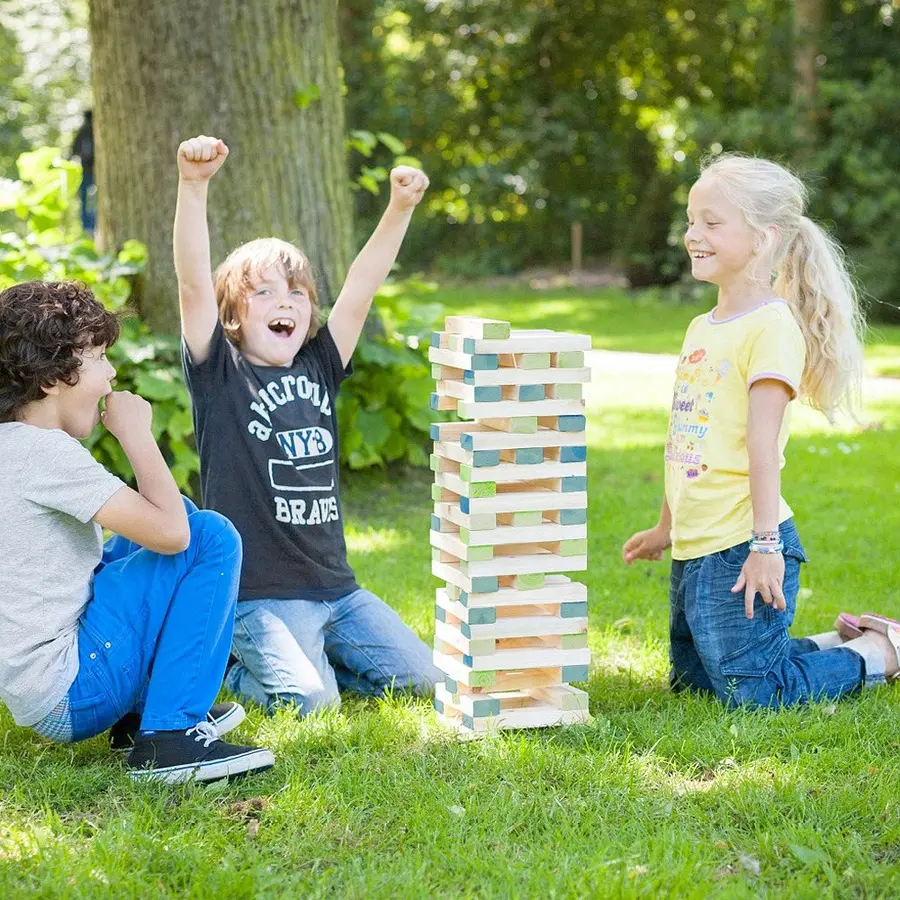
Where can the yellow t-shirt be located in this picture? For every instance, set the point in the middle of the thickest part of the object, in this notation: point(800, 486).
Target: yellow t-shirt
point(707, 465)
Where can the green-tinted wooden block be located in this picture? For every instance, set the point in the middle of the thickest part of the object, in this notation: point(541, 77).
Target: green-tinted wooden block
point(533, 361)
point(479, 554)
point(440, 613)
point(484, 362)
point(575, 701)
point(482, 679)
point(433, 462)
point(481, 458)
point(451, 684)
point(573, 610)
point(495, 331)
point(457, 343)
point(436, 371)
point(481, 489)
point(523, 425)
point(570, 359)
point(488, 393)
point(573, 548)
point(487, 706)
point(574, 483)
point(527, 518)
point(567, 392)
point(436, 493)
point(482, 647)
point(574, 673)
point(573, 517)
point(530, 582)
point(571, 423)
point(529, 456)
point(573, 641)
point(464, 535)
point(529, 392)
point(439, 705)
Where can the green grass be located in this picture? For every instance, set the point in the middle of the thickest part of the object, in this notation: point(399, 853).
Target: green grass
point(660, 796)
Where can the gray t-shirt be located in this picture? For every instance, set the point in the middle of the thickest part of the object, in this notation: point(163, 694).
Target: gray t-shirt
point(50, 490)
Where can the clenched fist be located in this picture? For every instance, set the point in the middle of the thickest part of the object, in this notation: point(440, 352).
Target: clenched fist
point(407, 187)
point(126, 415)
point(200, 158)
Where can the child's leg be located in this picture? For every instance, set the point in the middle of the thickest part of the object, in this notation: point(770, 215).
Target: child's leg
point(373, 650)
point(281, 655)
point(155, 635)
point(753, 661)
point(687, 670)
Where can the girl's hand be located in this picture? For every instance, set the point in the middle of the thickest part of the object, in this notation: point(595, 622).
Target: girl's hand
point(763, 574)
point(649, 544)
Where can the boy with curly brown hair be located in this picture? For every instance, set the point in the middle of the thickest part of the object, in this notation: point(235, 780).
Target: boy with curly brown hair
point(90, 634)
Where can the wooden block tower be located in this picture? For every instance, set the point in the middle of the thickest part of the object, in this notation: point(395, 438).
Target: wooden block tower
point(510, 516)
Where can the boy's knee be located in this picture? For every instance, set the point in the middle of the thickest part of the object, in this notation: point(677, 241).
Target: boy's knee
point(210, 527)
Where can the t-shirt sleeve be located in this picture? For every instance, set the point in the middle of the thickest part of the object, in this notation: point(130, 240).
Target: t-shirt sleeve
point(324, 351)
point(778, 352)
point(200, 377)
point(61, 474)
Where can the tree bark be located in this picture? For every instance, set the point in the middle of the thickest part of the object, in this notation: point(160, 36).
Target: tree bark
point(809, 18)
point(261, 74)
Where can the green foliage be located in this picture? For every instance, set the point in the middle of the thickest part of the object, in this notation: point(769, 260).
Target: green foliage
point(44, 245)
point(384, 410)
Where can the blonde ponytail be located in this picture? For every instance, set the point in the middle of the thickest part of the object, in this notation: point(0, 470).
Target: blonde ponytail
point(813, 278)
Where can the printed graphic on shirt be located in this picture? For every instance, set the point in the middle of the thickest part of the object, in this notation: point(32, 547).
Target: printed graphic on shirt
point(301, 460)
point(692, 404)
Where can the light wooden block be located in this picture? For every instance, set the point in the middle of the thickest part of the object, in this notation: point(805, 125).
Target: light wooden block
point(464, 361)
point(479, 329)
point(526, 361)
point(506, 375)
point(533, 340)
point(533, 534)
point(511, 409)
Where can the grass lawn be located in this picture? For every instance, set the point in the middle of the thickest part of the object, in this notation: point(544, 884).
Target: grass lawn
point(660, 796)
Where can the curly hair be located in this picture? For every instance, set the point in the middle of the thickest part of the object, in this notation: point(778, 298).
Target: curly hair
point(43, 325)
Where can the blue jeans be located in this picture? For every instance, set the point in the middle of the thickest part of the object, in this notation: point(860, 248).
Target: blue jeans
point(749, 662)
point(154, 638)
point(305, 651)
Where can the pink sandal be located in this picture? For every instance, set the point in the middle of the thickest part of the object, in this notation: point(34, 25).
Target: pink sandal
point(890, 628)
point(847, 626)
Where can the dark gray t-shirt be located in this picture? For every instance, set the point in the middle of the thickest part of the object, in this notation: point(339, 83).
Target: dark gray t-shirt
point(50, 490)
point(268, 443)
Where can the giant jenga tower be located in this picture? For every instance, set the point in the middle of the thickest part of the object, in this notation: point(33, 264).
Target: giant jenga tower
point(510, 515)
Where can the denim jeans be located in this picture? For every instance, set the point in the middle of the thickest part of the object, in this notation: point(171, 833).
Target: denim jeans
point(752, 662)
point(154, 638)
point(305, 651)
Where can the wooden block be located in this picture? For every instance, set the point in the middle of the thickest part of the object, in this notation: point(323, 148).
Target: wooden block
point(525, 519)
point(443, 525)
point(470, 585)
point(491, 393)
point(452, 513)
point(460, 665)
point(573, 483)
point(557, 589)
point(511, 409)
point(533, 534)
point(564, 454)
point(467, 362)
point(564, 423)
point(510, 473)
point(507, 681)
point(515, 501)
point(477, 458)
point(572, 641)
point(567, 516)
point(534, 564)
point(530, 341)
point(522, 456)
point(442, 402)
point(480, 329)
point(467, 489)
point(526, 393)
point(508, 375)
point(450, 543)
point(568, 359)
point(526, 361)
point(447, 373)
point(564, 391)
point(479, 436)
point(512, 425)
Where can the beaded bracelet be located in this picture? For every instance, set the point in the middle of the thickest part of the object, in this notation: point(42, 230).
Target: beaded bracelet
point(766, 547)
point(766, 542)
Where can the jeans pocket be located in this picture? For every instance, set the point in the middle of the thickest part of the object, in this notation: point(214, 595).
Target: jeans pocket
point(734, 557)
point(756, 658)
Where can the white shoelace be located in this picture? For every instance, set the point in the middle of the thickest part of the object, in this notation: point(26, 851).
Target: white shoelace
point(204, 732)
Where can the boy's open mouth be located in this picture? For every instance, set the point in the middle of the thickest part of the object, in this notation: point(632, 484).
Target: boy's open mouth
point(282, 327)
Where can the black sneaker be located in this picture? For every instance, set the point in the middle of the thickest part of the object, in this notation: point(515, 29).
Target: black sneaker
point(197, 754)
point(224, 716)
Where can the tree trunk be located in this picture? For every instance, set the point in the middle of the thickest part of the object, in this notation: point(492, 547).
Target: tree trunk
point(809, 17)
point(261, 74)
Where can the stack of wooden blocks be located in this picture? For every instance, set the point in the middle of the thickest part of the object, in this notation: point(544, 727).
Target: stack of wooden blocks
point(510, 516)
